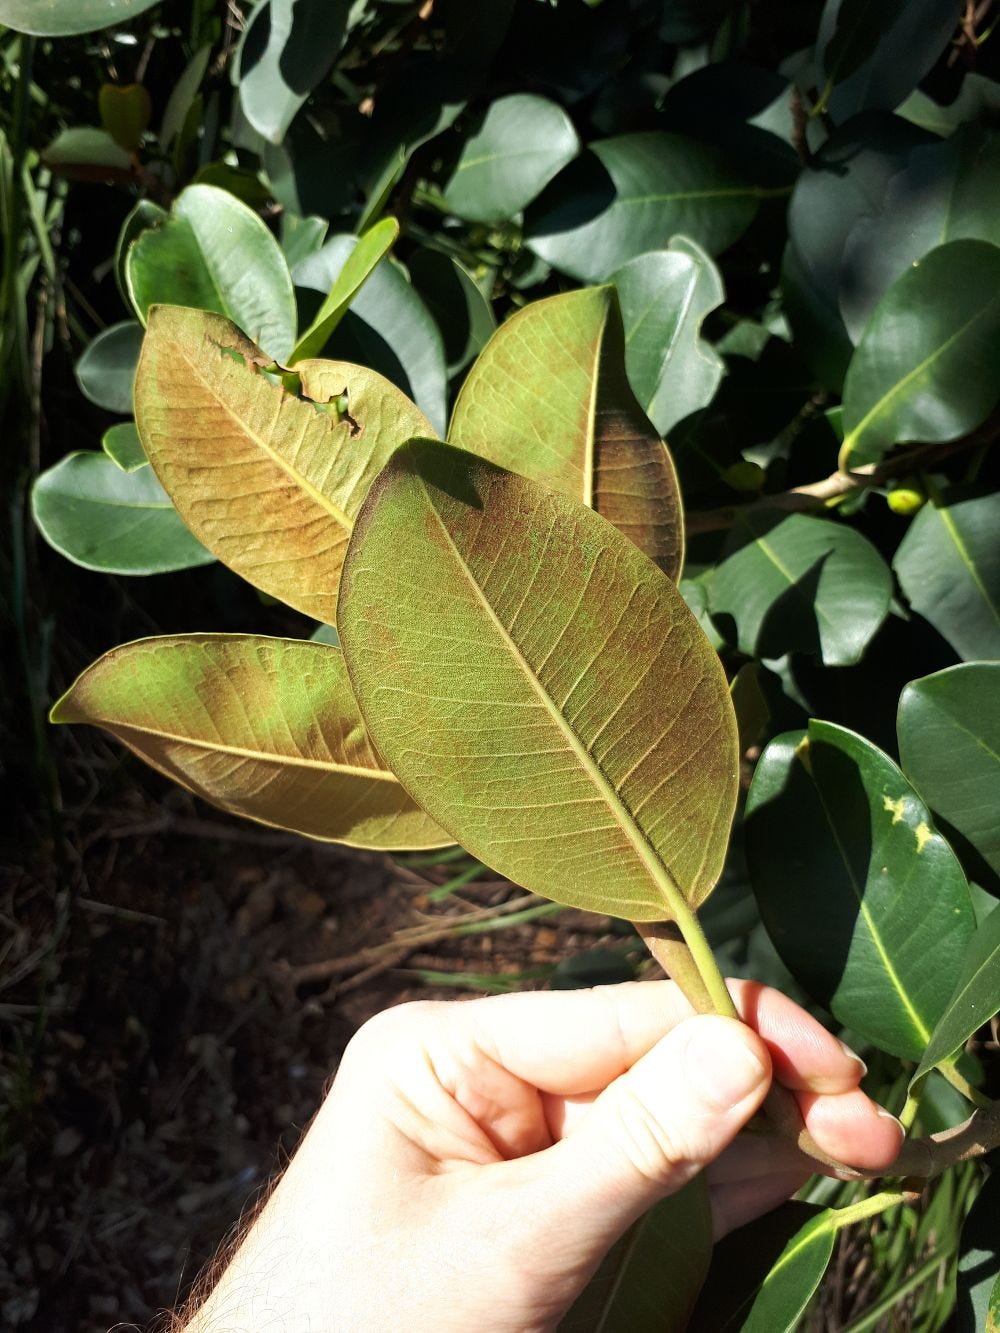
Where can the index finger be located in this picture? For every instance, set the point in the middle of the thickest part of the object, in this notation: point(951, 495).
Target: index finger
point(574, 1042)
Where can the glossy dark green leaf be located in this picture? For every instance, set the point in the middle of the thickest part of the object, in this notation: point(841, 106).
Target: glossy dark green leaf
point(387, 327)
point(287, 48)
point(942, 193)
point(858, 27)
point(979, 1260)
point(539, 686)
point(791, 582)
point(665, 295)
point(923, 369)
point(214, 253)
point(855, 886)
point(520, 145)
point(626, 195)
point(845, 181)
point(301, 237)
point(105, 519)
point(743, 110)
point(182, 95)
point(122, 445)
point(63, 18)
point(549, 398)
point(649, 1281)
point(948, 565)
point(740, 1263)
point(414, 106)
point(325, 634)
point(949, 746)
point(750, 703)
point(265, 728)
point(461, 311)
point(789, 1286)
point(85, 147)
point(978, 98)
point(145, 214)
point(106, 370)
point(818, 328)
point(975, 1000)
point(311, 172)
point(910, 38)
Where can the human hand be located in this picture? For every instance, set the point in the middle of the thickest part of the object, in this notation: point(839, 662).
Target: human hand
point(474, 1161)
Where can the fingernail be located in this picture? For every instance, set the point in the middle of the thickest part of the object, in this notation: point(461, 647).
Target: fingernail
point(853, 1055)
point(722, 1067)
point(887, 1115)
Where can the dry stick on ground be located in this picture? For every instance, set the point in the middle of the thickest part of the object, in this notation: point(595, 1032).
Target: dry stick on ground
point(381, 957)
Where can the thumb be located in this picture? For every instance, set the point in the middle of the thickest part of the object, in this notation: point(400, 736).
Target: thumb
point(652, 1129)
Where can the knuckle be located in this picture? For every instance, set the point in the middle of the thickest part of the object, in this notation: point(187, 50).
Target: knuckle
point(658, 1152)
point(395, 1026)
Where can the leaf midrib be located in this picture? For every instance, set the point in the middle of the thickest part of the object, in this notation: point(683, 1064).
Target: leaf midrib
point(670, 892)
point(732, 191)
point(890, 971)
point(103, 502)
point(930, 1058)
point(303, 482)
point(256, 756)
point(590, 443)
point(471, 162)
point(607, 1306)
point(958, 541)
point(792, 582)
point(851, 442)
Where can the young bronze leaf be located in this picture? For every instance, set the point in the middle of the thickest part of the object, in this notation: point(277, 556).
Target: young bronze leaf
point(539, 686)
point(267, 482)
point(264, 728)
point(549, 398)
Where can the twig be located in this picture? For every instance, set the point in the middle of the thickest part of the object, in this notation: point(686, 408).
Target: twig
point(123, 913)
point(820, 494)
point(800, 121)
point(402, 943)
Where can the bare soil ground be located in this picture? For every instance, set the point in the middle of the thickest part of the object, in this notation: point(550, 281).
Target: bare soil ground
point(176, 989)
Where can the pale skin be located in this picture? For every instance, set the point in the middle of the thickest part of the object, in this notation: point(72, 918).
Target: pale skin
point(475, 1160)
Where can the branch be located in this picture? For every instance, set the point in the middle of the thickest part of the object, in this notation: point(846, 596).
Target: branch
point(820, 494)
point(924, 1159)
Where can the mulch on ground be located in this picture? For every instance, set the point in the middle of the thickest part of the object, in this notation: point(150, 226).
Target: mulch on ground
point(176, 990)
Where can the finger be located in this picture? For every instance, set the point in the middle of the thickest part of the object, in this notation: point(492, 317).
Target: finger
point(851, 1128)
point(804, 1054)
point(572, 1042)
point(653, 1129)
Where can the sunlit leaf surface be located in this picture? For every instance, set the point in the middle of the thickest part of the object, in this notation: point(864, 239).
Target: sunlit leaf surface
point(549, 398)
point(539, 686)
point(265, 728)
point(267, 481)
